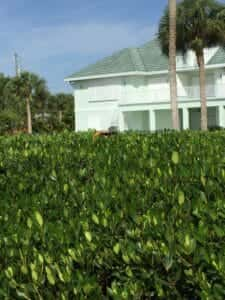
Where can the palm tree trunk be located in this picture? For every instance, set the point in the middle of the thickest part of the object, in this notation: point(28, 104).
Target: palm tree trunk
point(60, 116)
point(29, 120)
point(202, 83)
point(172, 63)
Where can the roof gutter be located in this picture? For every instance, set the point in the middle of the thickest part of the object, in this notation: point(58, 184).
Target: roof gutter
point(137, 73)
point(140, 73)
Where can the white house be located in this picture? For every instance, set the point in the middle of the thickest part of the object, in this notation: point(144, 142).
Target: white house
point(130, 90)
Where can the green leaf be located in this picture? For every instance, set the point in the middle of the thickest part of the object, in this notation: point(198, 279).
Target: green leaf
point(203, 180)
point(24, 269)
point(9, 272)
point(188, 272)
point(29, 223)
point(116, 248)
point(88, 236)
point(66, 188)
point(60, 274)
point(22, 295)
point(34, 275)
point(95, 219)
point(50, 276)
point(104, 222)
point(175, 157)
point(181, 197)
point(187, 240)
point(40, 258)
point(219, 231)
point(189, 244)
point(21, 187)
point(39, 218)
point(88, 287)
point(126, 258)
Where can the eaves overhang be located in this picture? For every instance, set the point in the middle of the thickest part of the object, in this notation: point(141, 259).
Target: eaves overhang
point(140, 73)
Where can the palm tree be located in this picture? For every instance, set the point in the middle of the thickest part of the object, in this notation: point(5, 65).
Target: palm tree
point(40, 96)
point(199, 26)
point(29, 87)
point(61, 104)
point(172, 63)
point(23, 89)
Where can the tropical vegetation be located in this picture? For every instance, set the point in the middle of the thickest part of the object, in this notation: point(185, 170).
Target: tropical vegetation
point(200, 25)
point(133, 216)
point(26, 104)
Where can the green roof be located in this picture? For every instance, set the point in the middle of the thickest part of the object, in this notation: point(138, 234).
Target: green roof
point(218, 58)
point(148, 58)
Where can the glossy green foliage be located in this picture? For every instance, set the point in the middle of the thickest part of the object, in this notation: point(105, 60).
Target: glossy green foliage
point(133, 216)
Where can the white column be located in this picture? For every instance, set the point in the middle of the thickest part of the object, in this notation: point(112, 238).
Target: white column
point(221, 116)
point(152, 120)
point(186, 124)
point(121, 121)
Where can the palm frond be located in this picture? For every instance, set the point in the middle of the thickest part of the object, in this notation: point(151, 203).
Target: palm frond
point(200, 24)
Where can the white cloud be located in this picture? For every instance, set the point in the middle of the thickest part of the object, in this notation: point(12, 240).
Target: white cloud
point(37, 45)
point(84, 39)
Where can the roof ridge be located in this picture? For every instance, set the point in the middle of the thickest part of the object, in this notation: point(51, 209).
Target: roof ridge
point(141, 58)
point(136, 59)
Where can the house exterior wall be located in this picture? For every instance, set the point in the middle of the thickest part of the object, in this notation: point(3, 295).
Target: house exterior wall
point(143, 101)
point(97, 104)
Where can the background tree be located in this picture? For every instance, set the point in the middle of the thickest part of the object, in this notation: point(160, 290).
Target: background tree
point(12, 109)
point(61, 105)
point(48, 112)
point(199, 26)
point(40, 97)
point(3, 82)
point(23, 86)
point(172, 64)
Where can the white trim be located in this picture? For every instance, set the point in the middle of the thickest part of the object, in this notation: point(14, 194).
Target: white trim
point(103, 101)
point(221, 116)
point(195, 68)
point(114, 108)
point(186, 122)
point(121, 121)
point(162, 102)
point(139, 73)
point(152, 120)
point(136, 73)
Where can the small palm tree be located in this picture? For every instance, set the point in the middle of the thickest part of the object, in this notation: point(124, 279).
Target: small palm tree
point(40, 96)
point(199, 26)
point(28, 87)
point(23, 89)
point(172, 63)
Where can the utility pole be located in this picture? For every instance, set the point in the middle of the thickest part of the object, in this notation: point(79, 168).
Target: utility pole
point(17, 64)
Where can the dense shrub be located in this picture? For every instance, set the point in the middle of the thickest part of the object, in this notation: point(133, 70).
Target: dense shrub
point(127, 217)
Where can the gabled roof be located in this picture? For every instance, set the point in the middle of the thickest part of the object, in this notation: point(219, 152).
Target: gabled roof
point(148, 58)
point(218, 58)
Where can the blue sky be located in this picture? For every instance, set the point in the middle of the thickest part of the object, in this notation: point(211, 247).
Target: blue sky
point(55, 38)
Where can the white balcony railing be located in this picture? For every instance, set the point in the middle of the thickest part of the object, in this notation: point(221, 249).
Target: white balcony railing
point(163, 94)
point(194, 91)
